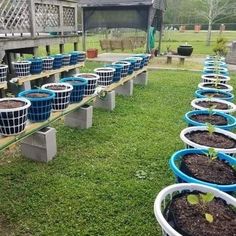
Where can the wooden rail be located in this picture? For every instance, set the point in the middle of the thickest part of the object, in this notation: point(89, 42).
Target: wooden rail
point(31, 128)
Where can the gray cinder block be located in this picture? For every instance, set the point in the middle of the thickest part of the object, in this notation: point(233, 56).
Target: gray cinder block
point(40, 146)
point(81, 118)
point(126, 89)
point(141, 79)
point(71, 73)
point(107, 103)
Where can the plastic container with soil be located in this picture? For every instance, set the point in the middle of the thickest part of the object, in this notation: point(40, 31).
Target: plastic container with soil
point(47, 63)
point(3, 73)
point(82, 56)
point(22, 68)
point(222, 207)
point(79, 85)
point(215, 70)
point(213, 103)
point(74, 59)
point(66, 59)
point(209, 93)
point(36, 66)
point(218, 119)
point(216, 86)
point(62, 95)
point(199, 137)
point(13, 115)
point(215, 63)
point(57, 63)
point(125, 68)
point(132, 65)
point(41, 104)
point(92, 53)
point(196, 166)
point(145, 57)
point(105, 75)
point(137, 60)
point(215, 78)
point(117, 73)
point(215, 58)
point(92, 80)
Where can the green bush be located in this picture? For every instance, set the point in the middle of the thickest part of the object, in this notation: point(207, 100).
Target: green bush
point(220, 48)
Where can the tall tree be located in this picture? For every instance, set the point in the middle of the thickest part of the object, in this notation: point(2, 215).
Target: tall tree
point(215, 11)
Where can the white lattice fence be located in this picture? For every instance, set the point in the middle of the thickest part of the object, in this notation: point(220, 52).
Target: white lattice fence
point(23, 16)
point(14, 16)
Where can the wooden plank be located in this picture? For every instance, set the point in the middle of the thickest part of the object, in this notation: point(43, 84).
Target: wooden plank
point(3, 85)
point(31, 128)
point(22, 80)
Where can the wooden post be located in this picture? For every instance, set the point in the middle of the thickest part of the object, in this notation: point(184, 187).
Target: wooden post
point(61, 18)
point(83, 32)
point(48, 50)
point(62, 48)
point(75, 46)
point(32, 18)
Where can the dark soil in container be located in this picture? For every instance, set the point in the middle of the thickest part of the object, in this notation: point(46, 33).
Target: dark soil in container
point(214, 77)
point(212, 119)
point(201, 167)
point(215, 140)
point(57, 87)
point(209, 104)
point(11, 104)
point(74, 82)
point(189, 219)
point(215, 95)
point(37, 95)
point(218, 86)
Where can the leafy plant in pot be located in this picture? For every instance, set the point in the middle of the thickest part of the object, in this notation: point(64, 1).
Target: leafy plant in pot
point(79, 85)
point(62, 95)
point(206, 167)
point(22, 67)
point(13, 115)
point(218, 119)
point(207, 103)
point(209, 212)
point(41, 104)
point(203, 137)
point(215, 86)
point(215, 78)
point(210, 93)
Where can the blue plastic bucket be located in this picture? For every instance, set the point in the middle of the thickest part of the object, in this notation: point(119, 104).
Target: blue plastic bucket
point(57, 63)
point(231, 119)
point(117, 74)
point(201, 94)
point(36, 65)
point(40, 109)
point(184, 178)
point(78, 84)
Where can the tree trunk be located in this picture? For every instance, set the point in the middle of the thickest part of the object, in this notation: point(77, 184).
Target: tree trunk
point(208, 41)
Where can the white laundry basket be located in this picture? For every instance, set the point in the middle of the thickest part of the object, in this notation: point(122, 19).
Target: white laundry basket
point(3, 73)
point(166, 195)
point(105, 75)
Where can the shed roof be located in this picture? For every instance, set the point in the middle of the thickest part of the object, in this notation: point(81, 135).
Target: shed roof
point(97, 3)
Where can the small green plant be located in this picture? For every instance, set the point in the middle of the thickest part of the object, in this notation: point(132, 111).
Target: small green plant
point(212, 154)
point(201, 200)
point(220, 48)
point(211, 110)
point(210, 128)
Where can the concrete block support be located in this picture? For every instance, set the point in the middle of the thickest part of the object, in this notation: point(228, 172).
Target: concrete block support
point(40, 146)
point(26, 85)
point(53, 78)
point(126, 89)
point(81, 118)
point(142, 79)
point(107, 103)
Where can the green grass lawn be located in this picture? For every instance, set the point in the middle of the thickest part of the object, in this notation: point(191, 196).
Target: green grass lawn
point(104, 180)
point(170, 38)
